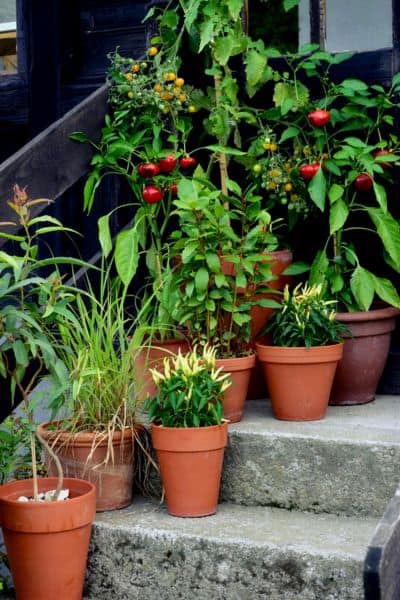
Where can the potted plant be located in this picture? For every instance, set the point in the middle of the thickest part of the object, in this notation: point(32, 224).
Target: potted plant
point(98, 394)
point(188, 431)
point(300, 362)
point(340, 151)
point(47, 540)
point(219, 266)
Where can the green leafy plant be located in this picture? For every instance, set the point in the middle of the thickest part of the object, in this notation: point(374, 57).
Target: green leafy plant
point(305, 318)
point(30, 305)
point(335, 156)
point(219, 263)
point(190, 391)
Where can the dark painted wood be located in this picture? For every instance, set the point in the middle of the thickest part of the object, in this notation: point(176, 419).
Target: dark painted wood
point(315, 22)
point(51, 163)
point(381, 566)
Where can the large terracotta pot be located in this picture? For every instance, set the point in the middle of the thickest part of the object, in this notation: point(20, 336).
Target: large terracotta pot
point(279, 261)
point(47, 542)
point(240, 370)
point(84, 455)
point(151, 357)
point(364, 355)
point(190, 462)
point(299, 379)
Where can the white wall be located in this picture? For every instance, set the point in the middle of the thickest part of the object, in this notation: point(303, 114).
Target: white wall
point(352, 24)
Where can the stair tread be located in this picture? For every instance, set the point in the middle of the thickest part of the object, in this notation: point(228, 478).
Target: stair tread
point(377, 422)
point(306, 533)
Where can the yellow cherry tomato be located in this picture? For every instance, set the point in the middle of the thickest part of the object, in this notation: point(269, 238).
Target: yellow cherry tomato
point(158, 88)
point(266, 145)
point(153, 51)
point(130, 94)
point(192, 109)
point(257, 168)
point(273, 147)
point(288, 187)
point(179, 81)
point(182, 98)
point(128, 76)
point(136, 68)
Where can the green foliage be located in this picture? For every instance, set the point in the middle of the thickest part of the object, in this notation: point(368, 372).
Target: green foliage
point(15, 457)
point(305, 319)
point(190, 391)
point(219, 248)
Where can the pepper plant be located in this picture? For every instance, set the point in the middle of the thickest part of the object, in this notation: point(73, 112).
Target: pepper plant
point(341, 151)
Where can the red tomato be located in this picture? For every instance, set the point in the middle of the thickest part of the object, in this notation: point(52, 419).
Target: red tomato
point(308, 171)
point(167, 164)
point(148, 170)
point(152, 194)
point(363, 182)
point(187, 162)
point(319, 118)
point(384, 165)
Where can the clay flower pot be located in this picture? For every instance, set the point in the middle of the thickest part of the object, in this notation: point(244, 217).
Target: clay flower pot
point(190, 460)
point(240, 370)
point(152, 357)
point(299, 379)
point(364, 355)
point(47, 542)
point(82, 455)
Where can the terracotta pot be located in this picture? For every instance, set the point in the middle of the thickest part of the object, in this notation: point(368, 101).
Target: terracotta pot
point(47, 542)
point(278, 261)
point(299, 379)
point(364, 355)
point(113, 480)
point(190, 462)
point(240, 370)
point(151, 357)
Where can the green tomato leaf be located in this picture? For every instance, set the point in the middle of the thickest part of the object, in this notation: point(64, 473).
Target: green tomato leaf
point(289, 132)
point(289, 4)
point(338, 214)
point(206, 34)
point(317, 189)
point(255, 67)
point(223, 49)
point(362, 286)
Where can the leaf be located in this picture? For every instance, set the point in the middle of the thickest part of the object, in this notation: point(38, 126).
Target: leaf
point(289, 4)
point(233, 186)
point(213, 262)
point(126, 255)
point(317, 189)
point(201, 280)
point(386, 291)
point(318, 268)
point(362, 286)
point(105, 240)
point(91, 185)
point(338, 214)
point(223, 49)
point(388, 230)
point(20, 353)
point(225, 150)
point(354, 84)
point(355, 142)
point(290, 132)
point(206, 34)
point(79, 136)
point(45, 219)
point(296, 268)
point(380, 195)
point(255, 66)
point(332, 167)
point(335, 192)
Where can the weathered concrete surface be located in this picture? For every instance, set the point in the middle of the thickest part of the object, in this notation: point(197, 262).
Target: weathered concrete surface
point(347, 463)
point(241, 553)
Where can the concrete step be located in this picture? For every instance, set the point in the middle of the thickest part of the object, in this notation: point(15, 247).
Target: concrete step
point(241, 553)
point(347, 463)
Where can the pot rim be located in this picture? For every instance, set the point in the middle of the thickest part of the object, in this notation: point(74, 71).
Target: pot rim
point(374, 314)
point(86, 437)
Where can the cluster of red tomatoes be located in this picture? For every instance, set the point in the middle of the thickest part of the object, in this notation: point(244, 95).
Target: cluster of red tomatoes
point(152, 194)
point(363, 182)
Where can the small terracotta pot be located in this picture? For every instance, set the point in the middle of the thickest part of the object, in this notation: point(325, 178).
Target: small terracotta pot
point(151, 357)
point(47, 542)
point(113, 480)
point(364, 355)
point(299, 379)
point(190, 462)
point(240, 370)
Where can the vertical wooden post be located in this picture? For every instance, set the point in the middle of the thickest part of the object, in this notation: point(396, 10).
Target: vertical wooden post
point(318, 22)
